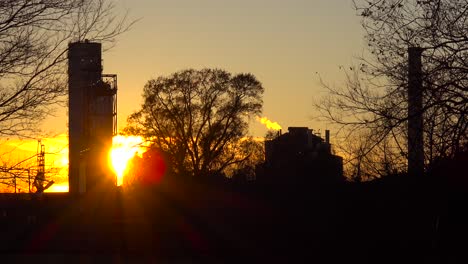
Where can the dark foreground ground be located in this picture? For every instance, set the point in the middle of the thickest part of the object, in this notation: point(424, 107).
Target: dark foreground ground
point(391, 221)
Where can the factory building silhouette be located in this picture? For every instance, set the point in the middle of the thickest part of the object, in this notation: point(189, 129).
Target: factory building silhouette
point(184, 219)
point(300, 156)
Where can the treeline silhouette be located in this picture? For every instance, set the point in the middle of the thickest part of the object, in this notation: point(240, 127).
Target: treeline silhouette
point(217, 219)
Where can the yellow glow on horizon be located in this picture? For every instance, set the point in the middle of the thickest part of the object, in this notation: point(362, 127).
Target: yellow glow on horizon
point(64, 161)
point(14, 151)
point(61, 187)
point(123, 149)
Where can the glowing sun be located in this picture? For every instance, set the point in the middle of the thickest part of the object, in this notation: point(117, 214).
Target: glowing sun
point(123, 149)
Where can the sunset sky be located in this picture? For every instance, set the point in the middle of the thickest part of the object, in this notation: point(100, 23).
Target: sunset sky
point(287, 45)
point(283, 43)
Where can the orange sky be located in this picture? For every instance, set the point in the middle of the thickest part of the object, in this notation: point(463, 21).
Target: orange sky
point(283, 43)
point(56, 158)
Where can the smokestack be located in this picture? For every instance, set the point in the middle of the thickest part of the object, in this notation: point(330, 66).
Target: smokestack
point(415, 117)
point(327, 136)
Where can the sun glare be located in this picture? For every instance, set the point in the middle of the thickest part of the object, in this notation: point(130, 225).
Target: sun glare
point(123, 149)
point(61, 187)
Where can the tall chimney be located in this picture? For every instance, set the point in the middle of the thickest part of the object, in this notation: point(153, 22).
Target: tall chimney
point(327, 136)
point(415, 117)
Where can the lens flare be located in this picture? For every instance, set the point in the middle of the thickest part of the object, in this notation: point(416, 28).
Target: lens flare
point(123, 149)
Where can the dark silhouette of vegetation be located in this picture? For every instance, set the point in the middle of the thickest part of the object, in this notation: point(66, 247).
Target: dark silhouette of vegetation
point(189, 220)
point(198, 119)
point(373, 102)
point(392, 219)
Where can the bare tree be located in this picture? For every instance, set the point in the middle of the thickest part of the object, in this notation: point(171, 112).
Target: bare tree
point(198, 118)
point(34, 35)
point(374, 97)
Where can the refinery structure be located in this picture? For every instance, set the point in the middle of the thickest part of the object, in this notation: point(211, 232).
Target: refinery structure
point(300, 156)
point(92, 118)
point(92, 123)
point(91, 199)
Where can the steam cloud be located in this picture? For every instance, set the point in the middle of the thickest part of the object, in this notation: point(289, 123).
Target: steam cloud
point(269, 124)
